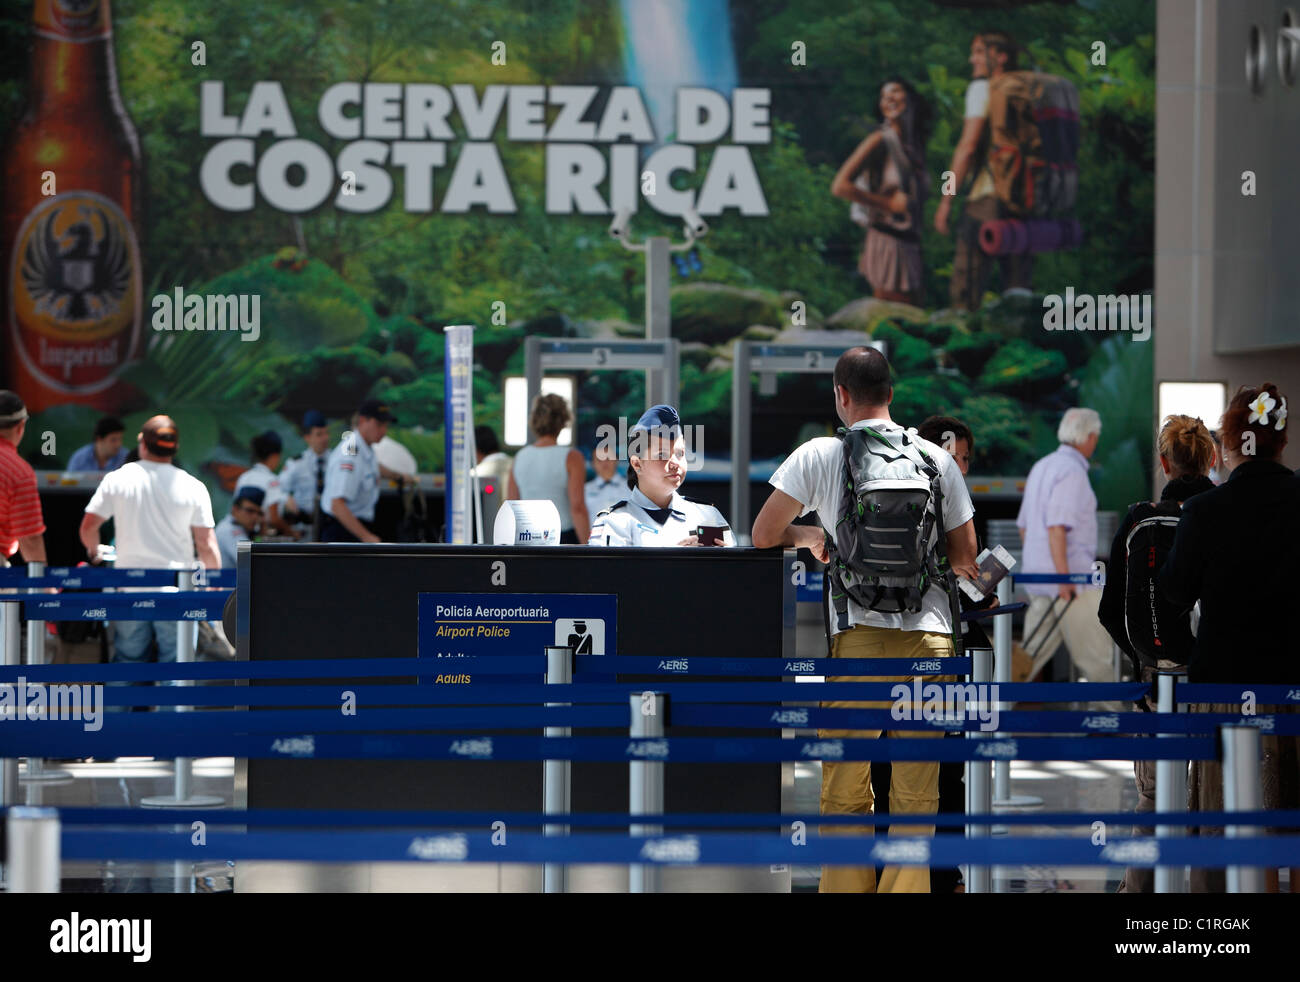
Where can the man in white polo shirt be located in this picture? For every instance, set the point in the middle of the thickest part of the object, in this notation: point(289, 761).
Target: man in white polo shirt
point(162, 517)
point(811, 480)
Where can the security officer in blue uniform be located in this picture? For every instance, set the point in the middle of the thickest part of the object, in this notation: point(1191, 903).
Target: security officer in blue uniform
point(352, 478)
point(606, 488)
point(303, 478)
point(654, 513)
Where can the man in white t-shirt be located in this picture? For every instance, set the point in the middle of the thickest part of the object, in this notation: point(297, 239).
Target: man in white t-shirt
point(810, 481)
point(162, 517)
point(992, 54)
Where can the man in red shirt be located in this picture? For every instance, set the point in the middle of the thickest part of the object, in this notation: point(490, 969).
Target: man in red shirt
point(21, 524)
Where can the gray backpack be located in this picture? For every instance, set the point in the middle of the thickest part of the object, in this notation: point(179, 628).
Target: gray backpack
point(888, 546)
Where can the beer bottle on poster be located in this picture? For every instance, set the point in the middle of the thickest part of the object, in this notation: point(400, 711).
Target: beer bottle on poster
point(72, 211)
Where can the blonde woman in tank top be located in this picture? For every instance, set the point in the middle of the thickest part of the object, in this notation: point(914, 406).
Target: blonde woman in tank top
point(546, 470)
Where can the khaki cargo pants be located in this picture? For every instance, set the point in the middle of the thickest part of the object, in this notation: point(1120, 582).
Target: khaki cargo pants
point(914, 786)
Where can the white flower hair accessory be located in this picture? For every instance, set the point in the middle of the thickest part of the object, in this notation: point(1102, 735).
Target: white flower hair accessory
point(1261, 407)
point(1281, 415)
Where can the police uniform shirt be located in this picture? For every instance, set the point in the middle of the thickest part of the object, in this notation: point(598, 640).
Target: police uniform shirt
point(229, 534)
point(600, 493)
point(353, 475)
point(638, 521)
point(265, 480)
point(298, 480)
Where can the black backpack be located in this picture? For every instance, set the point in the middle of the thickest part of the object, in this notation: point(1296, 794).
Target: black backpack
point(888, 546)
point(1156, 628)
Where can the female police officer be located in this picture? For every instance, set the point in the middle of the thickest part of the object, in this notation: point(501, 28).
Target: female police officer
point(654, 514)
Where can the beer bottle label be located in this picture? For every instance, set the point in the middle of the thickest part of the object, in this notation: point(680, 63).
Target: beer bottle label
point(72, 20)
point(75, 292)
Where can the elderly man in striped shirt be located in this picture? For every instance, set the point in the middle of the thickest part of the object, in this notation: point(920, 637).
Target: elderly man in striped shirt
point(21, 524)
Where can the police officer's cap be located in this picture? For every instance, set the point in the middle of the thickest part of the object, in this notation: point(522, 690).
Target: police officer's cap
point(253, 495)
point(265, 444)
point(659, 418)
point(377, 409)
point(313, 418)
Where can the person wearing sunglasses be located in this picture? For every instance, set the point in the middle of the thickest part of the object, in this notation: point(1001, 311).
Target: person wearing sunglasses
point(243, 522)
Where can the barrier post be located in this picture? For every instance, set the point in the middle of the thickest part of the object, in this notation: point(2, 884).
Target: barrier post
point(557, 774)
point(1242, 792)
point(646, 783)
point(10, 611)
point(37, 772)
point(1171, 784)
point(183, 795)
point(1002, 673)
point(979, 785)
point(32, 839)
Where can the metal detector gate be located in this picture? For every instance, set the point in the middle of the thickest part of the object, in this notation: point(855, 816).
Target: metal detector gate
point(598, 355)
point(768, 360)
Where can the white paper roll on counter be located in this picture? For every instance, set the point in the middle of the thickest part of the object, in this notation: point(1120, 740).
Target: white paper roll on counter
point(527, 523)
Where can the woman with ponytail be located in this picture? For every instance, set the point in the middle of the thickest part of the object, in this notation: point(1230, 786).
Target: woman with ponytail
point(1187, 453)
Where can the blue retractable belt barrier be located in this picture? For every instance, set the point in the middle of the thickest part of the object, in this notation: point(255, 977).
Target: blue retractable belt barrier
point(986, 612)
point(39, 739)
point(483, 664)
point(353, 818)
point(88, 577)
point(650, 665)
point(310, 669)
point(683, 849)
point(1079, 578)
point(163, 725)
point(1009, 721)
point(1192, 692)
point(370, 719)
point(204, 605)
point(102, 577)
point(585, 692)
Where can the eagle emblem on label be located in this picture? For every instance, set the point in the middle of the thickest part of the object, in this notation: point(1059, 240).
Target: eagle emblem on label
point(75, 298)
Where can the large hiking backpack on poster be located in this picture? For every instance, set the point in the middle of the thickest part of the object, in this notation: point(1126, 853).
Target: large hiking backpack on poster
point(1156, 628)
point(887, 546)
point(1034, 143)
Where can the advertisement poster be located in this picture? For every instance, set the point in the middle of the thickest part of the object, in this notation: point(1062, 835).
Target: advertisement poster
point(287, 203)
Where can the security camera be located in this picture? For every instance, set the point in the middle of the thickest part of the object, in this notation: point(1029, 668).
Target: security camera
point(695, 225)
point(618, 227)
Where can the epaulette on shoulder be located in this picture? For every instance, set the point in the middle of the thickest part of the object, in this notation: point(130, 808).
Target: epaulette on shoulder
point(699, 501)
point(614, 507)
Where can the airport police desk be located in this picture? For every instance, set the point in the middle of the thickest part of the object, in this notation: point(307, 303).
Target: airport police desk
point(437, 604)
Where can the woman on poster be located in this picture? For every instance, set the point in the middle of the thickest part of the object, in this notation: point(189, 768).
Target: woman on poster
point(886, 180)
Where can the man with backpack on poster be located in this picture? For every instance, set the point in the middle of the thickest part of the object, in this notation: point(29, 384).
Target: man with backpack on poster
point(1019, 140)
point(1150, 629)
point(894, 542)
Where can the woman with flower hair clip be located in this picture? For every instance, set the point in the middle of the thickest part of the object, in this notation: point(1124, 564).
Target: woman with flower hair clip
point(1232, 553)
